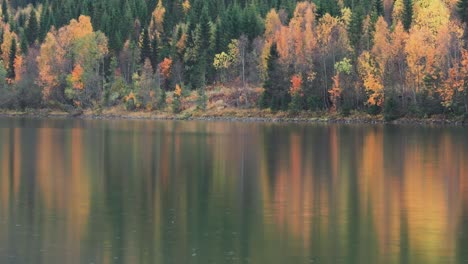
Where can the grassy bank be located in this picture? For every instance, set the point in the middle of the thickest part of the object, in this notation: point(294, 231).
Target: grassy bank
point(232, 114)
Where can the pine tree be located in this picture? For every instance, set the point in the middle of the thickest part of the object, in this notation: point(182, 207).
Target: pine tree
point(44, 22)
point(276, 94)
point(355, 27)
point(11, 64)
point(462, 7)
point(5, 11)
point(206, 54)
point(407, 14)
point(195, 67)
point(33, 29)
point(24, 43)
point(154, 58)
point(145, 46)
point(379, 7)
point(252, 25)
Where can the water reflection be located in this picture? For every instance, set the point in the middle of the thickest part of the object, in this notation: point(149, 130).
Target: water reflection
point(75, 191)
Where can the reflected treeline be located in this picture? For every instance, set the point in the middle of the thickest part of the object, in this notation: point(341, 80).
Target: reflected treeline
point(76, 191)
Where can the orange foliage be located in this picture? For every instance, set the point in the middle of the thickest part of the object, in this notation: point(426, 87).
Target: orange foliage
point(372, 79)
point(296, 85)
point(130, 96)
point(181, 43)
point(282, 42)
point(272, 24)
point(382, 45)
point(165, 67)
point(457, 80)
point(335, 92)
point(75, 40)
point(47, 64)
point(178, 91)
point(420, 51)
point(76, 77)
point(18, 67)
point(398, 41)
point(8, 37)
point(301, 29)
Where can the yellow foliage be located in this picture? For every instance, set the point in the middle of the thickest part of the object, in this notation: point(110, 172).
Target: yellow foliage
point(186, 6)
point(157, 20)
point(346, 16)
point(130, 96)
point(382, 45)
point(222, 61)
point(430, 14)
point(457, 80)
point(76, 40)
point(398, 9)
point(372, 79)
point(272, 24)
point(178, 91)
point(8, 37)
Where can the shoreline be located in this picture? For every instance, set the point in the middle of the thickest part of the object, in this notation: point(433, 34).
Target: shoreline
point(234, 115)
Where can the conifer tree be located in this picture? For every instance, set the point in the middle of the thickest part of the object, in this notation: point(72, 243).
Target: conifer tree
point(11, 63)
point(45, 22)
point(379, 7)
point(407, 14)
point(154, 53)
point(355, 27)
point(145, 46)
point(5, 11)
point(32, 29)
point(462, 7)
point(275, 94)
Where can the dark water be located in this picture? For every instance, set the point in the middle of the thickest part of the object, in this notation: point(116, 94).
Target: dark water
point(74, 191)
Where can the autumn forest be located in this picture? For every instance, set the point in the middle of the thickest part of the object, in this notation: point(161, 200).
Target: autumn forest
point(392, 58)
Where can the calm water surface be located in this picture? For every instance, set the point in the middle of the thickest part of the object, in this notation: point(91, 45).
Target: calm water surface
point(77, 191)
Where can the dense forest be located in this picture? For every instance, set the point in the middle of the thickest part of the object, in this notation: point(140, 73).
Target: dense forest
point(391, 57)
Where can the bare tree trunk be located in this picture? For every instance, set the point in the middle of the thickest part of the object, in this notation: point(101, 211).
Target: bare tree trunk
point(325, 83)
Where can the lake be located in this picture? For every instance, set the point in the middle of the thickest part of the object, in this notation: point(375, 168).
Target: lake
point(94, 191)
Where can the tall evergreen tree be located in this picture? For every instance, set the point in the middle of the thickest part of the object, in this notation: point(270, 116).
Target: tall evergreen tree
point(24, 43)
point(44, 22)
point(379, 7)
point(5, 11)
point(154, 58)
point(355, 27)
point(462, 8)
point(195, 67)
point(252, 25)
point(145, 46)
point(276, 94)
point(11, 64)
point(32, 30)
point(407, 14)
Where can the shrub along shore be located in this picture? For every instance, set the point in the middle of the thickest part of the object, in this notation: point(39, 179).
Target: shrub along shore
point(236, 115)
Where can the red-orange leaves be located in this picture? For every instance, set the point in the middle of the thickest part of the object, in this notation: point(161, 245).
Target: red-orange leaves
point(165, 67)
point(296, 85)
point(76, 77)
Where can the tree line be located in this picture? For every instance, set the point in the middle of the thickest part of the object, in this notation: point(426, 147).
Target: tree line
point(395, 57)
